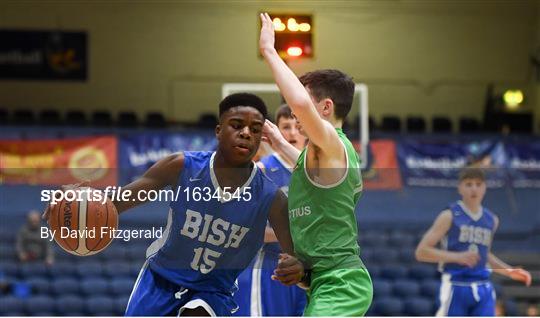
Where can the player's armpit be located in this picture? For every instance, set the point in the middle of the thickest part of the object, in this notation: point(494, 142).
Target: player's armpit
point(279, 219)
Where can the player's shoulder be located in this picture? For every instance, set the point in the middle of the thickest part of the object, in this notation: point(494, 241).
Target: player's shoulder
point(198, 155)
point(490, 214)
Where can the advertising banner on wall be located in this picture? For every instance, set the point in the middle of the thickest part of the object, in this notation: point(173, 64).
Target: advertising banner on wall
point(138, 152)
point(59, 161)
point(524, 164)
point(43, 55)
point(438, 164)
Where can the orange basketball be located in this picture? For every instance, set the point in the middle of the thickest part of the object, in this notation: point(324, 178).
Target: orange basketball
point(81, 226)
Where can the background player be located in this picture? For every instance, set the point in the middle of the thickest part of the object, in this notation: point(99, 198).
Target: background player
point(465, 230)
point(325, 186)
point(259, 294)
point(191, 270)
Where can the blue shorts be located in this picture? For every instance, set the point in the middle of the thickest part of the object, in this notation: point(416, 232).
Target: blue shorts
point(153, 295)
point(466, 299)
point(259, 295)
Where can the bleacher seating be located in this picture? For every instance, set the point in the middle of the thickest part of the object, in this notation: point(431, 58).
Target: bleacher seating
point(401, 285)
point(391, 124)
point(415, 124)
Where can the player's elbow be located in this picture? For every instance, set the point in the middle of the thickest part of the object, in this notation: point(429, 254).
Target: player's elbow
point(420, 253)
point(299, 103)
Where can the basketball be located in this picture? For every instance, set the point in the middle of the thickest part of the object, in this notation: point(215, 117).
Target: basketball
point(83, 227)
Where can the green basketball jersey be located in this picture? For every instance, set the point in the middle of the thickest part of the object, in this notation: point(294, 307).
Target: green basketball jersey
point(322, 218)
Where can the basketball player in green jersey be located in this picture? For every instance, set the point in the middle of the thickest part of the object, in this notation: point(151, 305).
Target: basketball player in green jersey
point(325, 186)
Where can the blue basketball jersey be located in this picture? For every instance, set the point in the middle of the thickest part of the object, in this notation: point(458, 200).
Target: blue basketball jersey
point(277, 170)
point(469, 232)
point(208, 242)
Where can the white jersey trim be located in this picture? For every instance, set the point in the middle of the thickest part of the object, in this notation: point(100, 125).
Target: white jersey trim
point(445, 296)
point(318, 185)
point(256, 300)
point(217, 187)
point(160, 242)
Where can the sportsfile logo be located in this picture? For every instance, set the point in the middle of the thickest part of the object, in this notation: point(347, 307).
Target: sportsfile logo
point(194, 194)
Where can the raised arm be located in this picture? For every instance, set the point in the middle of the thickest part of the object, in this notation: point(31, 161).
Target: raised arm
point(279, 144)
point(427, 252)
point(320, 132)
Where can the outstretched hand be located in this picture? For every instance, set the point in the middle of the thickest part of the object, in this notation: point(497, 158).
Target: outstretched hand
point(289, 270)
point(520, 275)
point(267, 37)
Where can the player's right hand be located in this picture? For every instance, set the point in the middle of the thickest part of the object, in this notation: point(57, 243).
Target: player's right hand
point(47, 211)
point(267, 37)
point(468, 258)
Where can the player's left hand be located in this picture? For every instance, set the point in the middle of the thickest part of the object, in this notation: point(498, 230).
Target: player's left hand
point(521, 275)
point(289, 270)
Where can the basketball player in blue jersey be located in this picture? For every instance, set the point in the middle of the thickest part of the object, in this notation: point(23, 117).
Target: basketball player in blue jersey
point(211, 236)
point(465, 230)
point(258, 294)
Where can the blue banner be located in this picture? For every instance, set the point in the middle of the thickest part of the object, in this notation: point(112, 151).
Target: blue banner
point(524, 164)
point(438, 164)
point(138, 152)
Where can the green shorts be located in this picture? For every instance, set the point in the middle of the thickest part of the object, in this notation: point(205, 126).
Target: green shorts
point(340, 292)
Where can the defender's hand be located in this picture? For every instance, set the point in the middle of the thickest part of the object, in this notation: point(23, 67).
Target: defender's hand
point(267, 37)
point(271, 133)
point(289, 270)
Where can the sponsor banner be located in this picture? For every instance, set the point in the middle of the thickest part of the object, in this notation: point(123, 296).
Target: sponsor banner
point(43, 55)
point(59, 161)
point(382, 171)
point(438, 164)
point(138, 152)
point(524, 164)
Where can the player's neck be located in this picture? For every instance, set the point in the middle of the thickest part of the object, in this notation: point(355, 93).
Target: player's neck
point(337, 123)
point(473, 207)
point(228, 175)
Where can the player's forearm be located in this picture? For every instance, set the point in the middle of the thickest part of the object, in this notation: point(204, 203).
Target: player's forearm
point(287, 151)
point(290, 87)
point(498, 266)
point(434, 255)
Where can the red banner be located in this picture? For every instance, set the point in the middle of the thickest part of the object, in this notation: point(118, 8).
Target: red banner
point(59, 161)
point(382, 172)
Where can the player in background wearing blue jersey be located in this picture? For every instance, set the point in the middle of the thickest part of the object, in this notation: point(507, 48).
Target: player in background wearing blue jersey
point(210, 238)
point(258, 294)
point(465, 230)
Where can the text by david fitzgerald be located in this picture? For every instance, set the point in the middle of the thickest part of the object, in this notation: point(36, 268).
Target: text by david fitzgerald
point(108, 232)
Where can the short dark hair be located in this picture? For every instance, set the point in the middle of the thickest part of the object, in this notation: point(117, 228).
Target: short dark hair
point(472, 173)
point(243, 99)
point(333, 84)
point(283, 111)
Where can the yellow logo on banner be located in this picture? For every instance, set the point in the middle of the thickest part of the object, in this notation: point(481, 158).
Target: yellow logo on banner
point(88, 163)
